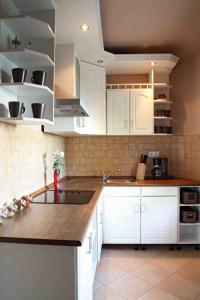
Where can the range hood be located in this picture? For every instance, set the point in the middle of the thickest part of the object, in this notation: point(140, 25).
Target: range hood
point(66, 105)
point(68, 102)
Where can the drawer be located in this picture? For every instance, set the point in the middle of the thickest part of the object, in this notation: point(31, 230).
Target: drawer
point(160, 191)
point(121, 191)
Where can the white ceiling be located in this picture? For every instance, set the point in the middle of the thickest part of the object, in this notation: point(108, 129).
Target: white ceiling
point(71, 14)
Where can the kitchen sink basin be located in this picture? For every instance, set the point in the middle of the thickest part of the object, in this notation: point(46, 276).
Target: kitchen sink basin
point(120, 180)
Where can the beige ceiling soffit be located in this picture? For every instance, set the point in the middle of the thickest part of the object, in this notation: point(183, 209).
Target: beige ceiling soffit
point(98, 14)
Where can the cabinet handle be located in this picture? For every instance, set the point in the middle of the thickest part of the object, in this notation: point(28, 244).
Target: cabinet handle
point(143, 208)
point(101, 218)
point(82, 122)
point(131, 123)
point(125, 124)
point(136, 211)
point(89, 243)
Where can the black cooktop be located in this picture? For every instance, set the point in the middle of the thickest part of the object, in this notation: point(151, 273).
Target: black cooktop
point(76, 197)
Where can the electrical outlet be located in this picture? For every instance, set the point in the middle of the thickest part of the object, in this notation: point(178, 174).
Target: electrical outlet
point(153, 154)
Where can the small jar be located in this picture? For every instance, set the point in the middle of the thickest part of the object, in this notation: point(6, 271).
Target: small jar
point(4, 212)
point(16, 205)
point(26, 201)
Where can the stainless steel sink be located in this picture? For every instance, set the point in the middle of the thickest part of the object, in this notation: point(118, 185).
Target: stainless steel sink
point(120, 180)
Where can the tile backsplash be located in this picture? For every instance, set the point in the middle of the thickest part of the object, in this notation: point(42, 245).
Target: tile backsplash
point(24, 153)
point(90, 155)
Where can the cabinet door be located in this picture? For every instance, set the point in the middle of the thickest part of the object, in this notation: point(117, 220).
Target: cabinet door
point(122, 220)
point(93, 95)
point(141, 112)
point(159, 220)
point(118, 112)
point(85, 262)
point(100, 225)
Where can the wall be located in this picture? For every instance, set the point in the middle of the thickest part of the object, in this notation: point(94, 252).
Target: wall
point(185, 80)
point(127, 78)
point(90, 155)
point(23, 155)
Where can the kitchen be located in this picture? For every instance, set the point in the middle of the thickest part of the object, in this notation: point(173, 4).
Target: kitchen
point(81, 94)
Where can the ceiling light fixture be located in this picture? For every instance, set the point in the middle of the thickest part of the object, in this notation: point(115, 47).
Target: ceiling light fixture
point(100, 61)
point(152, 63)
point(84, 27)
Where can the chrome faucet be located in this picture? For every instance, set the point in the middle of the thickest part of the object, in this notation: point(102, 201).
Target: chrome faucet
point(107, 176)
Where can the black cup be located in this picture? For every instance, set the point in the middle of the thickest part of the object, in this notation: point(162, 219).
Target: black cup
point(19, 75)
point(38, 110)
point(38, 77)
point(16, 109)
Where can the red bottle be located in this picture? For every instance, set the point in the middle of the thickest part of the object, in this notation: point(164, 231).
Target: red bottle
point(56, 179)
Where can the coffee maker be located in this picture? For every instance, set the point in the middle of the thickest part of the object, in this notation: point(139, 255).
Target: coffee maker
point(160, 168)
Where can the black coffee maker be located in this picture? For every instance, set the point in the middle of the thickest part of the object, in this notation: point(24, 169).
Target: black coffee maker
point(160, 168)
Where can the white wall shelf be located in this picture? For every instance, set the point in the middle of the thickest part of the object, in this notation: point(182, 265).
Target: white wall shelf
point(189, 224)
point(27, 57)
point(187, 238)
point(162, 118)
point(162, 101)
point(162, 86)
point(190, 205)
point(26, 89)
point(28, 28)
point(162, 134)
point(26, 121)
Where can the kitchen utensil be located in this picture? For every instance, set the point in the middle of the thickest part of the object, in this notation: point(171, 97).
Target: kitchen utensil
point(16, 109)
point(19, 74)
point(141, 171)
point(38, 77)
point(38, 110)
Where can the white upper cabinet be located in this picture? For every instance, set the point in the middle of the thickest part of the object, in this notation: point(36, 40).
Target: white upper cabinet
point(130, 112)
point(118, 112)
point(93, 95)
point(141, 112)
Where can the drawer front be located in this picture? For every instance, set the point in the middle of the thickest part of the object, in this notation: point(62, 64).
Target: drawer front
point(160, 191)
point(121, 191)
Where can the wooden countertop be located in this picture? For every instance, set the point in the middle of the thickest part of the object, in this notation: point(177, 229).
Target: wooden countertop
point(66, 224)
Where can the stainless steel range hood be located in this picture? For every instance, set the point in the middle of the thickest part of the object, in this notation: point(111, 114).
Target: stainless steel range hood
point(67, 106)
point(67, 83)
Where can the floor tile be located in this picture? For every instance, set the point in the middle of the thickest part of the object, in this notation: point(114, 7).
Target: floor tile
point(180, 287)
point(104, 293)
point(152, 274)
point(96, 285)
point(106, 273)
point(171, 264)
point(191, 272)
point(158, 294)
point(129, 286)
point(127, 264)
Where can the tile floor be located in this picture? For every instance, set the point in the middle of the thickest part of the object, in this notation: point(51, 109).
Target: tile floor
point(154, 274)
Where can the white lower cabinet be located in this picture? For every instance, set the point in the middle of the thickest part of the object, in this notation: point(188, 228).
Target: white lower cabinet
point(121, 216)
point(130, 218)
point(159, 220)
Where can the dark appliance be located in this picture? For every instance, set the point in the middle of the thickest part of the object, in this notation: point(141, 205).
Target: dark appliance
point(189, 196)
point(73, 197)
point(189, 215)
point(160, 168)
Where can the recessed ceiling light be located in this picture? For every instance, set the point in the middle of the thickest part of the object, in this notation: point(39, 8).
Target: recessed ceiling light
point(100, 61)
point(84, 27)
point(152, 63)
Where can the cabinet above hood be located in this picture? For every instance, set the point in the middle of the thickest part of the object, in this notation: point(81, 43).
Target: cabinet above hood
point(67, 83)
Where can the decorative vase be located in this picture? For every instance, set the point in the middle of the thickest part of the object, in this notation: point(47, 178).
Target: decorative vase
point(56, 179)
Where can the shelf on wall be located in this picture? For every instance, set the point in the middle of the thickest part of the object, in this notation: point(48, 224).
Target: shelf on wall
point(190, 224)
point(162, 118)
point(188, 238)
point(27, 57)
point(26, 89)
point(162, 86)
point(162, 101)
point(26, 121)
point(28, 28)
point(163, 134)
point(190, 204)
point(25, 5)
